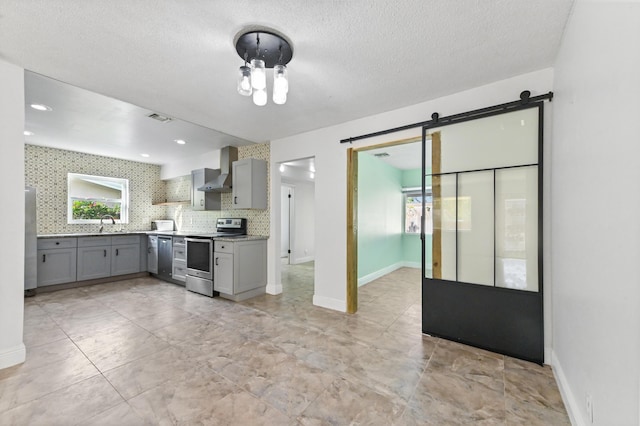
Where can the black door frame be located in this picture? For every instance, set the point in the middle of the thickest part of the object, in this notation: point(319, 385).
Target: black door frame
point(506, 321)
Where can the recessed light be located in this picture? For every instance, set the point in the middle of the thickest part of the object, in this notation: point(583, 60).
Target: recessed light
point(145, 155)
point(180, 141)
point(281, 168)
point(313, 175)
point(41, 107)
point(28, 133)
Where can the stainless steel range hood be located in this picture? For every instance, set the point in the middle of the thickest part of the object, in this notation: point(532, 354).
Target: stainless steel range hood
point(222, 183)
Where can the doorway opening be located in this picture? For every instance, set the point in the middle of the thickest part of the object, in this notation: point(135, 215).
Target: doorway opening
point(297, 228)
point(385, 217)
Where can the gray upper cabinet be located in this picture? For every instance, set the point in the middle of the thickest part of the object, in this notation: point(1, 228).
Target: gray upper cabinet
point(201, 200)
point(56, 261)
point(249, 184)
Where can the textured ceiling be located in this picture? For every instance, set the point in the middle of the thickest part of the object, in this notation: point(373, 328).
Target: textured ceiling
point(351, 58)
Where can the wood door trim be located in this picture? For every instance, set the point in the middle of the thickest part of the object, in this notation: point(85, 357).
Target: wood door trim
point(352, 231)
point(352, 218)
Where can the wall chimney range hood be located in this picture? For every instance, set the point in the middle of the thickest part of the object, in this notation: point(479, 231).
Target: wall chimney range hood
point(222, 182)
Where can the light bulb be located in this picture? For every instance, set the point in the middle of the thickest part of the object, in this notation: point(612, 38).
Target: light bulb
point(280, 84)
point(279, 97)
point(244, 81)
point(258, 74)
point(281, 168)
point(280, 78)
point(260, 97)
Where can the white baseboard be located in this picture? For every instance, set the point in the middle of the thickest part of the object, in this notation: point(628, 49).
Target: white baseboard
point(329, 303)
point(548, 353)
point(387, 270)
point(13, 356)
point(273, 289)
point(302, 260)
point(570, 402)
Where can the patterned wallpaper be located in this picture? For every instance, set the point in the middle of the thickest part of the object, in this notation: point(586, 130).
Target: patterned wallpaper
point(46, 169)
point(205, 221)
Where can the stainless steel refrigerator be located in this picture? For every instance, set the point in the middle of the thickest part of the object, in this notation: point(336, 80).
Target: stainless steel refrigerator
point(30, 240)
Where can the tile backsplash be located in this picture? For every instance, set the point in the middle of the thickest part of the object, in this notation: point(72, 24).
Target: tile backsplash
point(186, 219)
point(46, 170)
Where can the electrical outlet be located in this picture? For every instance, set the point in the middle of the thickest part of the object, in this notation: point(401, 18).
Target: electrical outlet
point(589, 408)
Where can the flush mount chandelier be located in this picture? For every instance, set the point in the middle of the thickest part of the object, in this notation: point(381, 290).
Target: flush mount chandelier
point(262, 50)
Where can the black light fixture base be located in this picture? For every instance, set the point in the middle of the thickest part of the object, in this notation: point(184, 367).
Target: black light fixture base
point(271, 48)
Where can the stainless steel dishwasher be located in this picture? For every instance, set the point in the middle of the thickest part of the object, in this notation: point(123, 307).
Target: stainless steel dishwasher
point(165, 256)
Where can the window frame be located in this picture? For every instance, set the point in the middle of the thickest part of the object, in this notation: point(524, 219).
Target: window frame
point(123, 200)
point(414, 192)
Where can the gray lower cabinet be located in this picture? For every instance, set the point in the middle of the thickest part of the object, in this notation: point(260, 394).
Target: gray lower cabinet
point(65, 260)
point(94, 258)
point(56, 261)
point(240, 269)
point(223, 273)
point(125, 255)
point(152, 254)
point(125, 259)
point(179, 264)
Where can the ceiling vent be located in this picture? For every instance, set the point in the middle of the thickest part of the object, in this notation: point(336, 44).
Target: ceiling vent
point(160, 118)
point(381, 154)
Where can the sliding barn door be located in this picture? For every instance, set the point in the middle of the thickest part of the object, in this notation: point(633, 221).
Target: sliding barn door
point(482, 280)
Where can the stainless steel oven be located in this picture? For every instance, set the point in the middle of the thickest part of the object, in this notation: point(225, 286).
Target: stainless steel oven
point(199, 254)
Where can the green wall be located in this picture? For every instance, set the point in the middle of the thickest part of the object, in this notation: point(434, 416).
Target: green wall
point(381, 240)
point(379, 215)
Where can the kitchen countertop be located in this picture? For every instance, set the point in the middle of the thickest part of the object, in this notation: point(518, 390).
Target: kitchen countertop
point(91, 234)
point(176, 233)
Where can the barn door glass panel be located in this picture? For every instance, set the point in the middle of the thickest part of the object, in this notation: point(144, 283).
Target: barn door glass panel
point(517, 228)
point(443, 241)
point(504, 140)
point(475, 227)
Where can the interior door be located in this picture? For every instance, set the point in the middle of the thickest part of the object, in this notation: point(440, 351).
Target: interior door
point(482, 270)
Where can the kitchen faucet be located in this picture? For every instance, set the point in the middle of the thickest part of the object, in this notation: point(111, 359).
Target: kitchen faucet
point(106, 216)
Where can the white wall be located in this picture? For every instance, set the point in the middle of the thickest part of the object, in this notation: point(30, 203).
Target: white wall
point(304, 222)
point(331, 174)
point(12, 350)
point(594, 207)
point(182, 167)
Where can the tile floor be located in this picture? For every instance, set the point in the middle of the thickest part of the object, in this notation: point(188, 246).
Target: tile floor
point(146, 352)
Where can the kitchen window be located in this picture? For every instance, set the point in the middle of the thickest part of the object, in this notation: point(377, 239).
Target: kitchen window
point(91, 198)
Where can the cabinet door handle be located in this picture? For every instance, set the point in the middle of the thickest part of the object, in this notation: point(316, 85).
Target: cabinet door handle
point(44, 258)
point(217, 261)
point(105, 253)
point(235, 200)
point(116, 252)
